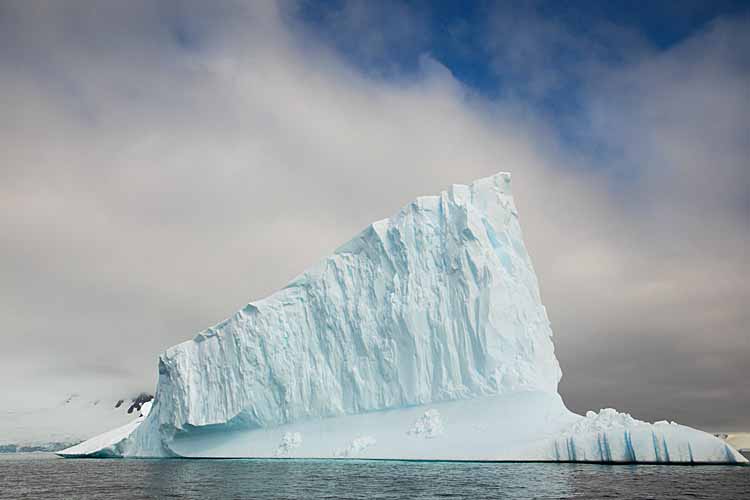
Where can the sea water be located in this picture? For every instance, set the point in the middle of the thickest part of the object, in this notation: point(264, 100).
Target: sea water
point(46, 476)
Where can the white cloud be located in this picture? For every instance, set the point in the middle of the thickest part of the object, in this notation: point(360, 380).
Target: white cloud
point(152, 184)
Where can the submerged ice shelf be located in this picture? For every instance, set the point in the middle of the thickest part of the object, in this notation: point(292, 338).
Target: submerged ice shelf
point(424, 337)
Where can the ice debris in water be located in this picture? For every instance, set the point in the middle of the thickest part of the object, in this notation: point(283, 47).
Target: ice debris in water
point(607, 419)
point(429, 425)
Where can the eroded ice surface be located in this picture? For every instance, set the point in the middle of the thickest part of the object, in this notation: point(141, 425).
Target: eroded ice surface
point(610, 436)
point(429, 320)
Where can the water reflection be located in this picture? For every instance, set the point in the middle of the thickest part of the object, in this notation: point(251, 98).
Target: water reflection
point(356, 479)
point(24, 477)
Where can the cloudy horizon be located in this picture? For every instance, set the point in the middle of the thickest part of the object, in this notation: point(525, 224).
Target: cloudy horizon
point(164, 163)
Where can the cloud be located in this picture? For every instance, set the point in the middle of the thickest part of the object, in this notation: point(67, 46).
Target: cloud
point(152, 187)
point(660, 281)
point(164, 164)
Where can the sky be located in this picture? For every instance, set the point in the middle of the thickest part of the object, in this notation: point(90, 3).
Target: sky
point(163, 163)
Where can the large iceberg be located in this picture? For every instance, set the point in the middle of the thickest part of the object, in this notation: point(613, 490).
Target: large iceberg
point(424, 337)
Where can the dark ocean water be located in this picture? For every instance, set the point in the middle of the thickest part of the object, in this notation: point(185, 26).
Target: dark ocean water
point(43, 476)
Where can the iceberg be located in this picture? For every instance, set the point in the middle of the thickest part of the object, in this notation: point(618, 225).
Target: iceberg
point(424, 337)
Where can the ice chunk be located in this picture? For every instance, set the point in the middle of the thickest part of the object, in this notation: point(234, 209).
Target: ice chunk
point(611, 436)
point(429, 425)
point(289, 442)
point(357, 446)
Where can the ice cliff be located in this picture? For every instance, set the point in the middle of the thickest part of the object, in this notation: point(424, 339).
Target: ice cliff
point(435, 307)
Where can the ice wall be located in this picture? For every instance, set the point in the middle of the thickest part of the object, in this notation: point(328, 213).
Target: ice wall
point(439, 302)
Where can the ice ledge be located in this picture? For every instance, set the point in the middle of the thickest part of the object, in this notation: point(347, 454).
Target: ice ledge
point(520, 427)
point(107, 445)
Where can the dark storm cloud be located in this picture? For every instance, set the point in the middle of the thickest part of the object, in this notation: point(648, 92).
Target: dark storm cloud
point(164, 163)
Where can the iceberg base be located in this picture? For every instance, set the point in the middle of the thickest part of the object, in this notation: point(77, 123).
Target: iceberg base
point(525, 426)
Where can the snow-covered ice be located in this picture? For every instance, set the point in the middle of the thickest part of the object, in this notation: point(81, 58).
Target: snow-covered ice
point(108, 443)
point(432, 316)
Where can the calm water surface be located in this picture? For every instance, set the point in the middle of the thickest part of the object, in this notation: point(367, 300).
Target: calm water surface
point(44, 476)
